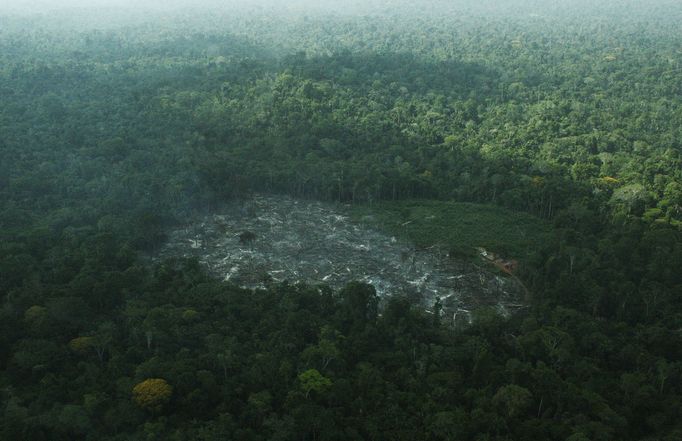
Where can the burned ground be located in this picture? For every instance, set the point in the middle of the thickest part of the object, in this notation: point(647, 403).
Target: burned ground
point(315, 243)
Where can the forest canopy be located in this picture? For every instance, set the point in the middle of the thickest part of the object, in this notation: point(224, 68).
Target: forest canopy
point(118, 123)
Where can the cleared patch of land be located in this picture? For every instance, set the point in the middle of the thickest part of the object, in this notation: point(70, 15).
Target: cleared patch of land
point(458, 227)
point(272, 239)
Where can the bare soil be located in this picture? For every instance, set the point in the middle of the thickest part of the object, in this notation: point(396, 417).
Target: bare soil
point(270, 239)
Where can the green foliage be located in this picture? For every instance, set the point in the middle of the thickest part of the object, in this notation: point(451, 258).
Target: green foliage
point(312, 381)
point(513, 400)
point(459, 227)
point(554, 139)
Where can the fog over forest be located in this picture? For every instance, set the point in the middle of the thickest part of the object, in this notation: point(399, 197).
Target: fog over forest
point(631, 8)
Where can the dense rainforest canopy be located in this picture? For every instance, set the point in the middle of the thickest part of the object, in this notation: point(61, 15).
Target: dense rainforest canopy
point(115, 126)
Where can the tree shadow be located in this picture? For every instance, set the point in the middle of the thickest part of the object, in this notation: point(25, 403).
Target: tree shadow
point(405, 70)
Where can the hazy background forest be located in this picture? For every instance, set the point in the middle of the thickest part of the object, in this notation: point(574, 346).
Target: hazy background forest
point(549, 132)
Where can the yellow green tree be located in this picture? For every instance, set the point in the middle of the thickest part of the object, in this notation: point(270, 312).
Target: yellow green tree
point(152, 394)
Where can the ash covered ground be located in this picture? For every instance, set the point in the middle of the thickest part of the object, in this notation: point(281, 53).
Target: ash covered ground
point(270, 239)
